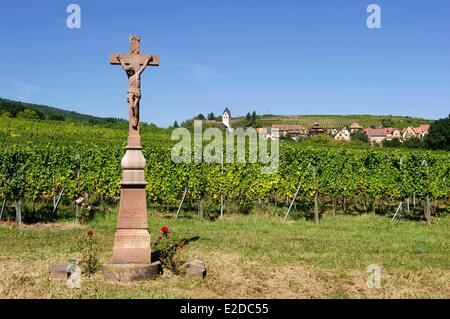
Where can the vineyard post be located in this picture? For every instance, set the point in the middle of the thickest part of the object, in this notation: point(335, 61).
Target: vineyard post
point(428, 209)
point(334, 205)
point(427, 206)
point(77, 211)
point(182, 201)
point(316, 196)
point(399, 208)
point(292, 203)
point(18, 211)
point(57, 202)
point(3, 207)
point(201, 206)
point(221, 195)
point(316, 208)
point(54, 194)
point(221, 206)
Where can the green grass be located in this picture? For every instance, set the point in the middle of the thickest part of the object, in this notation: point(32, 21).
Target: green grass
point(247, 256)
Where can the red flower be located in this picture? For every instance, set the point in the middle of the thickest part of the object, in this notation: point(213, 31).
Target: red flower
point(90, 233)
point(181, 246)
point(165, 230)
point(160, 237)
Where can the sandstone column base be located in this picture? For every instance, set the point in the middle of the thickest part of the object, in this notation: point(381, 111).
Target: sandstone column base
point(131, 246)
point(132, 272)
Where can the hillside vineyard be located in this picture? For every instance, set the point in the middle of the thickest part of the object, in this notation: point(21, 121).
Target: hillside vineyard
point(33, 173)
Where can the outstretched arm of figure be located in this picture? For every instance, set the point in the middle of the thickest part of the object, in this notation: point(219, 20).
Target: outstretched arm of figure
point(147, 61)
point(124, 66)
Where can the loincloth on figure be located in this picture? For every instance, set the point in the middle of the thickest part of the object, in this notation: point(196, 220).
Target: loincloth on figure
point(136, 93)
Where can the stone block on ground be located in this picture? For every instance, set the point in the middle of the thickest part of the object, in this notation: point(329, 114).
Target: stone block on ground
point(195, 269)
point(131, 272)
point(59, 270)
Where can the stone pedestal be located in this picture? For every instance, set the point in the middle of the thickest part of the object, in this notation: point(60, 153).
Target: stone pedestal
point(131, 259)
point(132, 240)
point(132, 272)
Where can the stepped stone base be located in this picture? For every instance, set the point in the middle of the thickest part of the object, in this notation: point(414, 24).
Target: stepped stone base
point(132, 272)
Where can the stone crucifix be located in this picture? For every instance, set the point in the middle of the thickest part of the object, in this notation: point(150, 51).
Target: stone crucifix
point(134, 64)
point(131, 257)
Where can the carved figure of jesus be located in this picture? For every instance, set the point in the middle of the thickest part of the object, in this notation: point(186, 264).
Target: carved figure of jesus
point(134, 91)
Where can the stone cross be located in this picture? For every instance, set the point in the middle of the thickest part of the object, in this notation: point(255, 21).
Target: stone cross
point(134, 64)
point(131, 256)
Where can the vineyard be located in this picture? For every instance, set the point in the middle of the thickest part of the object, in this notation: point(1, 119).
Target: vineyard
point(15, 131)
point(369, 178)
point(335, 121)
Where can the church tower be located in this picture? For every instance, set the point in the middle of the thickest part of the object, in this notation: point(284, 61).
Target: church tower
point(226, 120)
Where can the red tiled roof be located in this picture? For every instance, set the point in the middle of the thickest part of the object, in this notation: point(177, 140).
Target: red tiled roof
point(418, 130)
point(422, 129)
point(380, 132)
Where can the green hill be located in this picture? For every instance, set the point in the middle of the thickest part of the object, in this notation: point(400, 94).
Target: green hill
point(24, 123)
point(22, 131)
point(36, 111)
point(335, 121)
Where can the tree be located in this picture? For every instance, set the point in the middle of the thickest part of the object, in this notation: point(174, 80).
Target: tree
point(29, 114)
point(11, 107)
point(250, 119)
point(359, 136)
point(439, 136)
point(175, 124)
point(211, 116)
point(200, 117)
point(59, 117)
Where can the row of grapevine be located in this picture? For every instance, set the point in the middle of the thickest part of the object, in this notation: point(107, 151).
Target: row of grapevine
point(35, 173)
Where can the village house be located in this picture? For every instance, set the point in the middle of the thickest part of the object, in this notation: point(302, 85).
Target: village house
point(293, 131)
point(266, 131)
point(415, 132)
point(379, 135)
point(343, 135)
point(355, 127)
point(316, 129)
point(332, 132)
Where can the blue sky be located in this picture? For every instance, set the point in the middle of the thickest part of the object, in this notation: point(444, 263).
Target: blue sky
point(278, 57)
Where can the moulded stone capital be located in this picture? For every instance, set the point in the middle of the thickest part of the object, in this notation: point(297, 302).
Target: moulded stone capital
point(133, 159)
